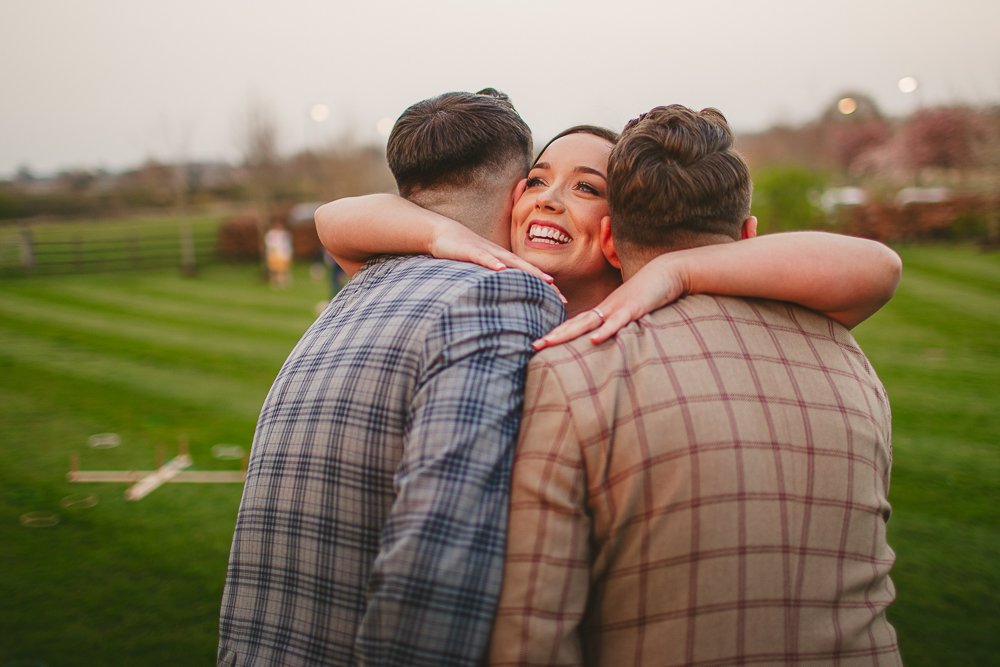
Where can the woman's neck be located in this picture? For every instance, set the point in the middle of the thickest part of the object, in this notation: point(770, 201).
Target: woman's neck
point(581, 296)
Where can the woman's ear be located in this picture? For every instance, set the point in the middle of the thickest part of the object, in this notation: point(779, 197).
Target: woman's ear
point(519, 189)
point(749, 228)
point(608, 244)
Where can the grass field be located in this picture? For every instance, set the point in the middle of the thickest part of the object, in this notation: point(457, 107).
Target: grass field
point(156, 357)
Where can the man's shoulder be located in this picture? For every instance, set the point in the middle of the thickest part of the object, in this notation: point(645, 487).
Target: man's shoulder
point(579, 358)
point(398, 268)
point(734, 311)
point(398, 271)
point(430, 289)
point(697, 321)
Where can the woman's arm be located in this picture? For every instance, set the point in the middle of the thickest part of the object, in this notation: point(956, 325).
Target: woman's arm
point(844, 277)
point(355, 229)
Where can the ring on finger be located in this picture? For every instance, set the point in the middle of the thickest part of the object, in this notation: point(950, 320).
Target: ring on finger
point(600, 314)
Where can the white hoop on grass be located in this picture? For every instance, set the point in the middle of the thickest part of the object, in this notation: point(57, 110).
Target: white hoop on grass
point(79, 501)
point(227, 452)
point(39, 519)
point(104, 440)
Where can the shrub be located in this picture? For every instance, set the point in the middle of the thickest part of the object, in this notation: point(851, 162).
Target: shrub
point(784, 198)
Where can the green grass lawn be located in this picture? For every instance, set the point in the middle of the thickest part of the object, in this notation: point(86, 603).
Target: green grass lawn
point(156, 357)
point(937, 349)
point(153, 357)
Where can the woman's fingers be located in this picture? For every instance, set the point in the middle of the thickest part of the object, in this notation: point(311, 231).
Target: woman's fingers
point(602, 323)
point(512, 261)
point(614, 322)
point(515, 262)
point(569, 330)
point(478, 250)
point(486, 259)
point(487, 254)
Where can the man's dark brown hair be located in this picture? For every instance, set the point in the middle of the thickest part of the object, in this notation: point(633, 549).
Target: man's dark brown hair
point(456, 140)
point(675, 180)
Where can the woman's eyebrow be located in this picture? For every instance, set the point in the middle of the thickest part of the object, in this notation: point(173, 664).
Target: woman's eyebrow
point(591, 170)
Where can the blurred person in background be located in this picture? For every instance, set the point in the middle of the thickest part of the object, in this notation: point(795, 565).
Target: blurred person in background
point(278, 254)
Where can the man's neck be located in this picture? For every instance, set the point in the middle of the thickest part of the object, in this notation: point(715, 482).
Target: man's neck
point(633, 259)
point(584, 295)
point(492, 222)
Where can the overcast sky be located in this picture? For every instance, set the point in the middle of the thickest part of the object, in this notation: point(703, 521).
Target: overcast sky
point(109, 83)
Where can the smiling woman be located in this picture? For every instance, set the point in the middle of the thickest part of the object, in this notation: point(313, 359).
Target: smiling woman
point(556, 221)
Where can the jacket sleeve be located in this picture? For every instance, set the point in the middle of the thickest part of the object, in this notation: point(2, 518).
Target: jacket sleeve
point(435, 583)
point(547, 571)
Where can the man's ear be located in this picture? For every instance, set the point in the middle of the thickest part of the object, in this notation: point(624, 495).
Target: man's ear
point(608, 244)
point(749, 228)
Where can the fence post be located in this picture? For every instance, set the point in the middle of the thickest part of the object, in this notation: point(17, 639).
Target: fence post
point(27, 248)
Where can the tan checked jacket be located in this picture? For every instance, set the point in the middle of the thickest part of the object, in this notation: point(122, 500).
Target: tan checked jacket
point(707, 488)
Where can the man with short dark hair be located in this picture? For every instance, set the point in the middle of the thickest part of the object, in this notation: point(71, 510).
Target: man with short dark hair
point(372, 525)
point(710, 486)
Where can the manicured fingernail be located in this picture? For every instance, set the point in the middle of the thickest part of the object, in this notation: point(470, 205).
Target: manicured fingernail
point(538, 344)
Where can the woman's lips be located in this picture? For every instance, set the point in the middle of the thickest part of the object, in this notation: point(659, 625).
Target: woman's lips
point(543, 234)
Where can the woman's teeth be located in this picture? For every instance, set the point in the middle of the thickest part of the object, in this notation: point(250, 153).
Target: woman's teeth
point(543, 234)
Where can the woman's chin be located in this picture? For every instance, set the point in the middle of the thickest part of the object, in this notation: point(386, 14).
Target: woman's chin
point(548, 259)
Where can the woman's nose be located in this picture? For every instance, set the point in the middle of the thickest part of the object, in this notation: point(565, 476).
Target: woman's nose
point(548, 199)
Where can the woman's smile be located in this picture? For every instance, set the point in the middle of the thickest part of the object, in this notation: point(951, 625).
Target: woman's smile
point(547, 235)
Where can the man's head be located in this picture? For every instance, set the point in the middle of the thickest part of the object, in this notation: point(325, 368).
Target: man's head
point(459, 149)
point(675, 181)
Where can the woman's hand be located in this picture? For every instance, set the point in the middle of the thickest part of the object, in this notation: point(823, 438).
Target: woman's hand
point(457, 242)
point(655, 285)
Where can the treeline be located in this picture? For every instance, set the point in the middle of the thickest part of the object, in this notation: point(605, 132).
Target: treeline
point(156, 186)
point(932, 175)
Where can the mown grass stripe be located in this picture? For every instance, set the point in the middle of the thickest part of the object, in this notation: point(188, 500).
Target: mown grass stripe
point(240, 290)
point(970, 301)
point(237, 368)
point(210, 316)
point(967, 266)
point(124, 377)
point(137, 334)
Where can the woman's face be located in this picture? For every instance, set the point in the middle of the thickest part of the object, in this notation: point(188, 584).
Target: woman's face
point(556, 221)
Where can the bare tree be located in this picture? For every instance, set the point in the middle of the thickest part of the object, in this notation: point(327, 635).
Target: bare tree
point(258, 143)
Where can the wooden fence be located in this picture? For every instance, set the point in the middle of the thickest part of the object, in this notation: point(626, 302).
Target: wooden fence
point(25, 251)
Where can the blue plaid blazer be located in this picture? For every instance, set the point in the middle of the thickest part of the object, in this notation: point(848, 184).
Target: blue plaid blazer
point(373, 522)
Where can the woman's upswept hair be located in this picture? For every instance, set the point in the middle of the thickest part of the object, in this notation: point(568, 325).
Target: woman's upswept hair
point(596, 130)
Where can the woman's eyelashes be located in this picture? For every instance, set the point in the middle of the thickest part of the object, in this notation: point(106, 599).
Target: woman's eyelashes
point(582, 186)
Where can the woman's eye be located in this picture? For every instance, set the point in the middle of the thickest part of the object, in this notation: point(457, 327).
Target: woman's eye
point(589, 189)
point(534, 181)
